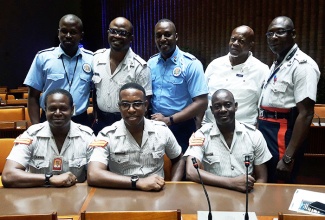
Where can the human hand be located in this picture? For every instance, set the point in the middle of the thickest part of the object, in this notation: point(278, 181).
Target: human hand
point(239, 183)
point(160, 117)
point(153, 182)
point(284, 170)
point(64, 179)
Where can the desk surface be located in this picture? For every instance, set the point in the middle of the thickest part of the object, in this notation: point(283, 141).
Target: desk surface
point(265, 200)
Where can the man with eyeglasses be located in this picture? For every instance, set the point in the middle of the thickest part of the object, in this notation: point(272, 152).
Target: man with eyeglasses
point(67, 67)
point(287, 101)
point(180, 93)
point(113, 68)
point(130, 153)
point(239, 72)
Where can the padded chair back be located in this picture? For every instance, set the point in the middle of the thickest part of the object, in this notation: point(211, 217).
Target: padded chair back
point(52, 216)
point(167, 168)
point(282, 216)
point(12, 114)
point(134, 215)
point(6, 145)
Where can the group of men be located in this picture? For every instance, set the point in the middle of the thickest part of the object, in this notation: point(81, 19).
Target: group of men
point(144, 110)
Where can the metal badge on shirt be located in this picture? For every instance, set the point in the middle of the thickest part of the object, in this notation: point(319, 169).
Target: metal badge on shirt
point(177, 71)
point(86, 67)
point(57, 163)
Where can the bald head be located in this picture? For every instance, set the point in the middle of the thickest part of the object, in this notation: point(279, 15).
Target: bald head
point(71, 18)
point(122, 22)
point(283, 20)
point(246, 31)
point(223, 93)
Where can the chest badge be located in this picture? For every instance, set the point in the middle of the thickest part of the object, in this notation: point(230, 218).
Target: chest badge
point(86, 67)
point(177, 71)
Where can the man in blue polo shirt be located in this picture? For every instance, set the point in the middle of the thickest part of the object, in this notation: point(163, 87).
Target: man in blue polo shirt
point(179, 88)
point(67, 67)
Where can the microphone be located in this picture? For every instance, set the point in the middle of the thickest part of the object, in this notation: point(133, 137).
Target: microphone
point(247, 162)
point(196, 166)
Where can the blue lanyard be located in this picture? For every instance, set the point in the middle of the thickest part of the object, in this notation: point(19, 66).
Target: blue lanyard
point(66, 74)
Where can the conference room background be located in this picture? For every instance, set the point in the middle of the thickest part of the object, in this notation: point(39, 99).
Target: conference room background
point(203, 26)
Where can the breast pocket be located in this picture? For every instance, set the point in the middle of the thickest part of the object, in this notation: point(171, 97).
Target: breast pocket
point(39, 166)
point(176, 85)
point(56, 79)
point(279, 92)
point(211, 163)
point(84, 85)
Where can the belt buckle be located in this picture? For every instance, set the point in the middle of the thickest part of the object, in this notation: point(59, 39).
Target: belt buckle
point(262, 113)
point(275, 115)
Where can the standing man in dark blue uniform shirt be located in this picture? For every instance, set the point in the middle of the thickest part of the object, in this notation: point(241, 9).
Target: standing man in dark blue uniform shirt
point(180, 92)
point(67, 67)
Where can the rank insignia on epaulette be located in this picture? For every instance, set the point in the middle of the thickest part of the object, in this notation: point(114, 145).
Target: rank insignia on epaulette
point(26, 141)
point(98, 143)
point(196, 141)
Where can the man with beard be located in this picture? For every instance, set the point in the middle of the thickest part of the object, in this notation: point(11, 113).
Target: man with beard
point(220, 148)
point(113, 68)
point(67, 67)
point(130, 153)
point(179, 88)
point(52, 153)
point(239, 72)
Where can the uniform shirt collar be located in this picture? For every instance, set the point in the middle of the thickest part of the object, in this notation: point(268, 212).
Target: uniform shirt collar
point(216, 132)
point(61, 52)
point(121, 129)
point(174, 57)
point(46, 131)
point(246, 65)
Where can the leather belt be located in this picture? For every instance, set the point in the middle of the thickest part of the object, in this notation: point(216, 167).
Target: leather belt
point(275, 115)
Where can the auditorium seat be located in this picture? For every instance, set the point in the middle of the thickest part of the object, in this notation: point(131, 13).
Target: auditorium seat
point(134, 215)
point(52, 216)
point(6, 145)
point(12, 114)
point(282, 216)
point(167, 168)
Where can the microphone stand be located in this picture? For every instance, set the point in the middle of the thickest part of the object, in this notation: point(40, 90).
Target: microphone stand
point(247, 162)
point(196, 166)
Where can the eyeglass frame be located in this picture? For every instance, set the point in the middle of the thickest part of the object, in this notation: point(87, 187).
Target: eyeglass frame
point(270, 34)
point(133, 104)
point(121, 33)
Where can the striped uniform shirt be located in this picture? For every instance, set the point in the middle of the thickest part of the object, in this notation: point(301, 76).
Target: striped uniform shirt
point(219, 159)
point(124, 156)
point(38, 156)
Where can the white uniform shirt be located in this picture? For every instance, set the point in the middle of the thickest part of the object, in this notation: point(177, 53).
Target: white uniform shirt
point(124, 156)
point(38, 156)
point(131, 69)
point(296, 80)
point(244, 81)
point(218, 159)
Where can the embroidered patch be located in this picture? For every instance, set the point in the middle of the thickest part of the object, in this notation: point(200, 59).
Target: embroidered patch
point(98, 143)
point(196, 141)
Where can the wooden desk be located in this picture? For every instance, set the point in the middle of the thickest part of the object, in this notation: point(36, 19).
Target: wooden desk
point(266, 199)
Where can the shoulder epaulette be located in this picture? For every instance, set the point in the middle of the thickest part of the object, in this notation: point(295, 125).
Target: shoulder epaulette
point(35, 128)
point(140, 60)
point(98, 143)
point(108, 129)
point(206, 127)
point(248, 126)
point(190, 56)
point(159, 123)
point(86, 129)
point(87, 51)
point(49, 49)
point(154, 55)
point(100, 51)
point(26, 141)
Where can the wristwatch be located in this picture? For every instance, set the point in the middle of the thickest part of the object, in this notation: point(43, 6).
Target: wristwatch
point(134, 180)
point(287, 159)
point(47, 179)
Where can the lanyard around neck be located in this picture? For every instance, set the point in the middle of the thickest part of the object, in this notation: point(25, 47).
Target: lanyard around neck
point(278, 67)
point(66, 74)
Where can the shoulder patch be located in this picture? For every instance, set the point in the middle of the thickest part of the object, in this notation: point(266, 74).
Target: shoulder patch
point(98, 143)
point(190, 56)
point(35, 128)
point(196, 141)
point(49, 49)
point(100, 51)
point(26, 141)
point(248, 126)
point(86, 129)
point(140, 60)
point(87, 51)
point(154, 55)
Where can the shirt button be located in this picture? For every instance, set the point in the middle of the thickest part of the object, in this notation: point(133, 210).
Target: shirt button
point(232, 167)
point(118, 160)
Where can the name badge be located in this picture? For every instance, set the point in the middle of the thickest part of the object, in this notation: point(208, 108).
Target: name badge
point(57, 164)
